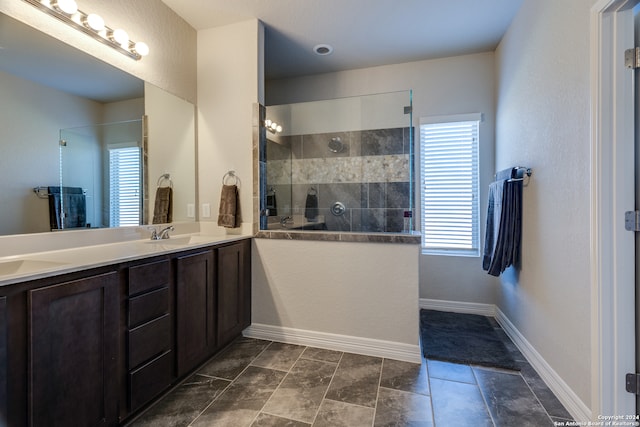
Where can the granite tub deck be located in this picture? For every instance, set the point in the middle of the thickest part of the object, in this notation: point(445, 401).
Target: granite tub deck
point(263, 383)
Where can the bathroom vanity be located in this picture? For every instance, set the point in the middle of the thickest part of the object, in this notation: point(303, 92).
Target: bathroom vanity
point(95, 345)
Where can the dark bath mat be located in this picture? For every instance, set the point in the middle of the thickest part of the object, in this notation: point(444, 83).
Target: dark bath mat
point(463, 338)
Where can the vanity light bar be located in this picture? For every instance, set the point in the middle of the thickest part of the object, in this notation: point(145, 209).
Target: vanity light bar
point(93, 25)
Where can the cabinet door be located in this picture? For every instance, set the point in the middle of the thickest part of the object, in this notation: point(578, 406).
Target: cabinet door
point(3, 358)
point(195, 311)
point(73, 345)
point(233, 290)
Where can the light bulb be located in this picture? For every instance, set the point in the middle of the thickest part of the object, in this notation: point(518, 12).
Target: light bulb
point(279, 128)
point(93, 21)
point(67, 6)
point(120, 36)
point(267, 123)
point(141, 49)
point(274, 125)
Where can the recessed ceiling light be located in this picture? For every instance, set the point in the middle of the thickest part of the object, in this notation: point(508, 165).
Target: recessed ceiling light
point(323, 49)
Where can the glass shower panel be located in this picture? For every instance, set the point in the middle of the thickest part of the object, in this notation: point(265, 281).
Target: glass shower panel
point(350, 167)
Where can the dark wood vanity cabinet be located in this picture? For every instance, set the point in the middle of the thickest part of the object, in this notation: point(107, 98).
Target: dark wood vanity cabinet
point(3, 359)
point(195, 305)
point(234, 290)
point(150, 356)
point(72, 347)
point(95, 347)
point(213, 300)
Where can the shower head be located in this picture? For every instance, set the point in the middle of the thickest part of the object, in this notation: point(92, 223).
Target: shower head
point(336, 145)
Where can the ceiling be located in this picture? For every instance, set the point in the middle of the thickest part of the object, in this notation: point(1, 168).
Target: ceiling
point(363, 33)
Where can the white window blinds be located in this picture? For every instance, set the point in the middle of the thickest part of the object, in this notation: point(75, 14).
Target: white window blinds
point(449, 185)
point(124, 186)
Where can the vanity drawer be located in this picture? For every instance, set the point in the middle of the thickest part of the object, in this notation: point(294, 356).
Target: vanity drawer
point(148, 276)
point(150, 379)
point(148, 306)
point(149, 340)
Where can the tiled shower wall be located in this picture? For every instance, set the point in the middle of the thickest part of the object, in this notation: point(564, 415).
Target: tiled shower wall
point(370, 176)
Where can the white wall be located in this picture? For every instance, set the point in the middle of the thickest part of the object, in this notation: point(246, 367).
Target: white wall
point(29, 151)
point(228, 87)
point(171, 64)
point(543, 121)
point(463, 84)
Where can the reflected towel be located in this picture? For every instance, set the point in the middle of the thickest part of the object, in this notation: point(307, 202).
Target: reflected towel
point(163, 206)
point(311, 207)
point(272, 204)
point(229, 214)
point(67, 207)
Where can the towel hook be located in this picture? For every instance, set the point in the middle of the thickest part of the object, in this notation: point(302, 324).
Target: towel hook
point(231, 174)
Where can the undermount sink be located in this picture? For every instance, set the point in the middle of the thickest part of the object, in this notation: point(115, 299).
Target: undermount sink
point(25, 266)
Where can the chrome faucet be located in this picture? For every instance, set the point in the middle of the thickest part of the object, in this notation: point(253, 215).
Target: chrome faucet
point(163, 234)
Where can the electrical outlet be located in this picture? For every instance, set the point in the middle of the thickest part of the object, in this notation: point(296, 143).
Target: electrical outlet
point(191, 210)
point(206, 210)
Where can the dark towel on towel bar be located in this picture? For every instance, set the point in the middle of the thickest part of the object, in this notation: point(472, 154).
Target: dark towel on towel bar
point(229, 213)
point(311, 207)
point(504, 224)
point(272, 205)
point(67, 207)
point(163, 206)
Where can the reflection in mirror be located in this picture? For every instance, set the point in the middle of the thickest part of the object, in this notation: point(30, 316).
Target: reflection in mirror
point(100, 177)
point(48, 86)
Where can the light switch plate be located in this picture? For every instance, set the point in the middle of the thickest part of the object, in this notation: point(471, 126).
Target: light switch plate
point(206, 210)
point(191, 210)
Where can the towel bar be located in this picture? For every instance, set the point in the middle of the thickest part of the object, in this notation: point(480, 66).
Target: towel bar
point(520, 172)
point(43, 192)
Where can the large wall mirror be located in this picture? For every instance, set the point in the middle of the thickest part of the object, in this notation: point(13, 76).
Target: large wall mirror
point(67, 119)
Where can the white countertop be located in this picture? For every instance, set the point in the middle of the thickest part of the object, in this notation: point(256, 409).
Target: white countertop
point(37, 265)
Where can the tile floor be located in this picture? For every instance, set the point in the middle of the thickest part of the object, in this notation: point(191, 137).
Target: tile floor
point(262, 384)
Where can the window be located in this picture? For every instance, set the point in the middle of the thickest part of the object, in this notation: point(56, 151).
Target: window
point(124, 186)
point(449, 185)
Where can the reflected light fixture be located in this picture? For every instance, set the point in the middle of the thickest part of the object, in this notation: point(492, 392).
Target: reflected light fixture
point(93, 25)
point(272, 127)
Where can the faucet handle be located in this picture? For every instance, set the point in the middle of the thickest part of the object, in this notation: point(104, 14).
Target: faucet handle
point(154, 232)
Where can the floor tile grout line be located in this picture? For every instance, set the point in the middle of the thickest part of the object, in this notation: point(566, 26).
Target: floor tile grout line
point(324, 397)
point(375, 405)
point(536, 397)
point(484, 398)
point(230, 384)
point(278, 387)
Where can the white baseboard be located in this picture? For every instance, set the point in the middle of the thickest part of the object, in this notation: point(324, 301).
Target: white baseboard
point(576, 407)
point(458, 307)
point(345, 343)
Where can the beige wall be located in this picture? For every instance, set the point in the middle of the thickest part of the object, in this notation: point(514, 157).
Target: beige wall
point(229, 60)
point(365, 290)
point(543, 121)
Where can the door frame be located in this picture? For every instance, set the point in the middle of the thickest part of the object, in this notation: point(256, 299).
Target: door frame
point(612, 193)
